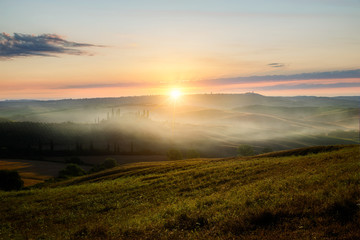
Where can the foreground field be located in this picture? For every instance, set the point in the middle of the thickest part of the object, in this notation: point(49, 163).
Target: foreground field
point(309, 193)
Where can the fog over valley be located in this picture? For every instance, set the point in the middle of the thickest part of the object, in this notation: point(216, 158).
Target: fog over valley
point(213, 125)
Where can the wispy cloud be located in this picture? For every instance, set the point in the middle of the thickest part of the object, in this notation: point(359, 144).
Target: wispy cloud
point(294, 77)
point(276, 65)
point(101, 85)
point(309, 86)
point(39, 45)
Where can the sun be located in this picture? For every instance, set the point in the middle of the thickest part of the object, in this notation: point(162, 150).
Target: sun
point(175, 94)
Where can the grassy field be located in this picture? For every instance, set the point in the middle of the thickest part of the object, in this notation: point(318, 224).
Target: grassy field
point(310, 193)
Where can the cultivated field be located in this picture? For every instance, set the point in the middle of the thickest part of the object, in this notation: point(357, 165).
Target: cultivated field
point(31, 171)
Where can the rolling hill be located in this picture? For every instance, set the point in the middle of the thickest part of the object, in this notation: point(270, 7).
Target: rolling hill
point(213, 124)
point(304, 193)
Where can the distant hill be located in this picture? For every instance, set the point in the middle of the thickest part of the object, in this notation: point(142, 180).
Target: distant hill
point(84, 110)
point(214, 124)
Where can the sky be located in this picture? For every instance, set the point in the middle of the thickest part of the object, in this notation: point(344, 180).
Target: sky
point(92, 48)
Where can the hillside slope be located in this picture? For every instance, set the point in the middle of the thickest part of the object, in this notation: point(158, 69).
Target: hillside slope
point(300, 194)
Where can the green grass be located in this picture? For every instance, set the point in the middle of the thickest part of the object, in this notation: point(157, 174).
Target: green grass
point(300, 194)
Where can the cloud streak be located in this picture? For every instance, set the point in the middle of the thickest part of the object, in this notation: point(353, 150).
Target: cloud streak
point(102, 85)
point(310, 86)
point(276, 65)
point(303, 81)
point(294, 77)
point(20, 45)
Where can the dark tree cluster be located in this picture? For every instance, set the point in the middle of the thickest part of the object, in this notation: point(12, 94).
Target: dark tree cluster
point(69, 139)
point(10, 180)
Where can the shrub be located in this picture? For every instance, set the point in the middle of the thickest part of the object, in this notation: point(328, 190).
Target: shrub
point(10, 180)
point(174, 154)
point(108, 163)
point(245, 150)
point(71, 170)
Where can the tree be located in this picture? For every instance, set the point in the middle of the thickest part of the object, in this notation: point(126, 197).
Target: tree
point(245, 150)
point(10, 180)
point(71, 170)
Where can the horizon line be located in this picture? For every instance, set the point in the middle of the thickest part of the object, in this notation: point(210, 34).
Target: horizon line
point(160, 95)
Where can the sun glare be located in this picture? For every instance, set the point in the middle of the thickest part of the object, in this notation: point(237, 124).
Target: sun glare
point(175, 94)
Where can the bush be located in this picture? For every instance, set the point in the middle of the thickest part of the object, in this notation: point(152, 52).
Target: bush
point(108, 163)
point(174, 154)
point(245, 150)
point(10, 180)
point(71, 170)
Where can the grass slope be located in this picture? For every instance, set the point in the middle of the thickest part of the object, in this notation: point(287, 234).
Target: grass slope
point(301, 194)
